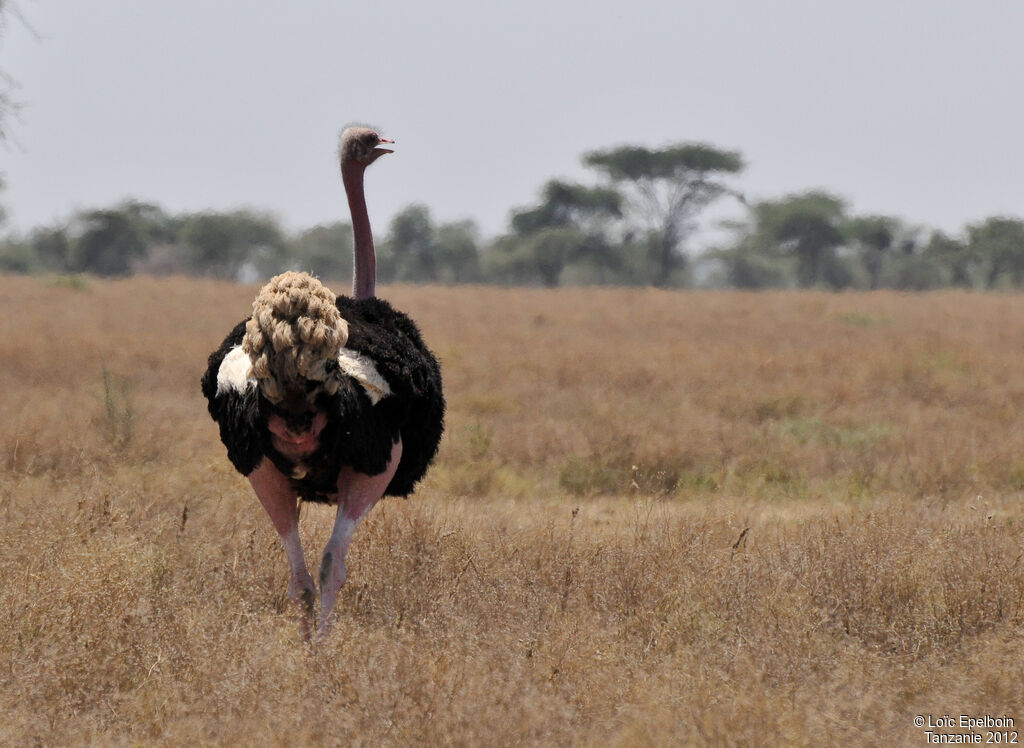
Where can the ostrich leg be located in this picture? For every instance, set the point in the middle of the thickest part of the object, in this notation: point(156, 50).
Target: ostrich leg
point(357, 494)
point(281, 503)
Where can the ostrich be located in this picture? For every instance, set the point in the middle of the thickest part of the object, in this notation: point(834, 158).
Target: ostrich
point(327, 399)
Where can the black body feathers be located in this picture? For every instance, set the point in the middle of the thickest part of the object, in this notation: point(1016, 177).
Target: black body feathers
point(358, 432)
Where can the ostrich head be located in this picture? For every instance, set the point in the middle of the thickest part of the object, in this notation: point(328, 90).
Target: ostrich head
point(293, 339)
point(361, 146)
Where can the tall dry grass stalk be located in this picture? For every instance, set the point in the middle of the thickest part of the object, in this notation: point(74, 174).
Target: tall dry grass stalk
point(657, 518)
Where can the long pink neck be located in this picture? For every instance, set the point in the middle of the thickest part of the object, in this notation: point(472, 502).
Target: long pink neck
point(364, 271)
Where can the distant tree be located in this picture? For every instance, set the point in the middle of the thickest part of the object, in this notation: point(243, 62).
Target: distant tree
point(419, 251)
point(569, 226)
point(108, 241)
point(324, 250)
point(564, 204)
point(458, 253)
point(874, 238)
point(500, 262)
point(669, 188)
point(549, 249)
point(16, 256)
point(52, 248)
point(412, 242)
point(808, 226)
point(3, 186)
point(233, 245)
point(755, 270)
point(953, 256)
point(912, 269)
point(998, 242)
point(752, 261)
point(538, 258)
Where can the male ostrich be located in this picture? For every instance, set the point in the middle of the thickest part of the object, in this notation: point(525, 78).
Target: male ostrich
point(328, 399)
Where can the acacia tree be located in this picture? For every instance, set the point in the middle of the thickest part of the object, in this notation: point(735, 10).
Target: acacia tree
point(752, 259)
point(418, 250)
point(669, 187)
point(875, 237)
point(538, 258)
point(808, 226)
point(953, 256)
point(228, 245)
point(565, 205)
point(998, 242)
point(569, 225)
point(110, 241)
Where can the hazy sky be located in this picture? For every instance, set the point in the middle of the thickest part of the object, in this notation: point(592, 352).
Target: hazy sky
point(911, 107)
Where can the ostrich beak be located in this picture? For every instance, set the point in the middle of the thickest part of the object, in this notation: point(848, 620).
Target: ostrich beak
point(378, 151)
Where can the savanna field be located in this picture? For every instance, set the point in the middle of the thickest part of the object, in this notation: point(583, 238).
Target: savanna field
point(657, 518)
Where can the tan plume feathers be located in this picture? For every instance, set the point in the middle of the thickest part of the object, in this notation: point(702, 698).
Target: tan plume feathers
point(294, 331)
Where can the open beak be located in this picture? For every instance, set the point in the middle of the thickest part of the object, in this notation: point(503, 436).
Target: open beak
point(378, 151)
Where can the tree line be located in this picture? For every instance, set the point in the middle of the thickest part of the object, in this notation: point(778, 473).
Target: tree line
point(630, 226)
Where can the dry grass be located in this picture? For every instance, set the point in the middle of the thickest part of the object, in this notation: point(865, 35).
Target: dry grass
point(657, 518)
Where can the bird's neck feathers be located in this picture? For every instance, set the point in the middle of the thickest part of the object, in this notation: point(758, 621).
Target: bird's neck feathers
point(364, 270)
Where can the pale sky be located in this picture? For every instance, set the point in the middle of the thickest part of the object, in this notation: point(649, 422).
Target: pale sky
point(907, 107)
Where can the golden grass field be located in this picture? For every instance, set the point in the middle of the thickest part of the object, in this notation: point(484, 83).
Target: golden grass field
point(657, 518)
